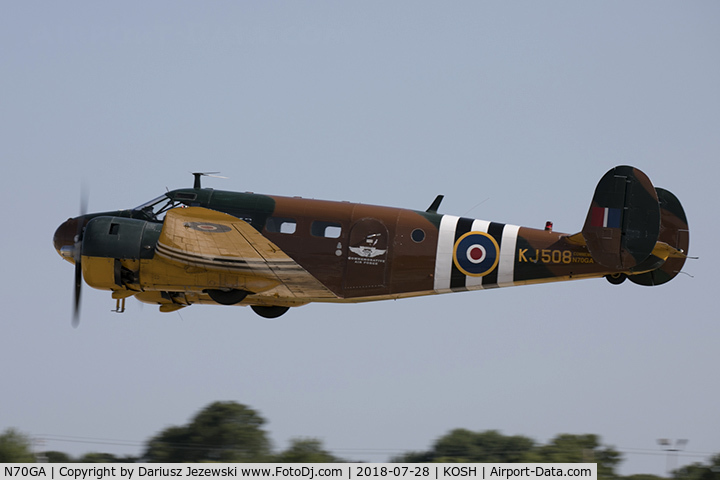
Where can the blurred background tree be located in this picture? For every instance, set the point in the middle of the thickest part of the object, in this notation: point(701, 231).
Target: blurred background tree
point(306, 450)
point(221, 432)
point(461, 445)
point(15, 447)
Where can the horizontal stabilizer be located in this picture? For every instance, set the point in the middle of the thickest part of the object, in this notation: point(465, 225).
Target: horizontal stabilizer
point(623, 224)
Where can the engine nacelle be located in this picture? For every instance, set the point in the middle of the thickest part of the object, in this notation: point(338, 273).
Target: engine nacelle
point(112, 248)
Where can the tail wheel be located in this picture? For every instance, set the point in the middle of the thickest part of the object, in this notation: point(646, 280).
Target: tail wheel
point(269, 312)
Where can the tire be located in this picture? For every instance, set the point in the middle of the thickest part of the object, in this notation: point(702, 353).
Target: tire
point(269, 312)
point(229, 297)
point(616, 278)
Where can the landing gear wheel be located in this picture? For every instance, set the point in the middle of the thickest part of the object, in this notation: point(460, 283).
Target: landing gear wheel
point(269, 312)
point(227, 297)
point(616, 278)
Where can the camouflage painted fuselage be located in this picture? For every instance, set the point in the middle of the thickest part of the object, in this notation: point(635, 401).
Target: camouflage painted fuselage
point(364, 252)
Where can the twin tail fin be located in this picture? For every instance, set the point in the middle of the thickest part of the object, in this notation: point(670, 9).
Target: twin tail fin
point(637, 229)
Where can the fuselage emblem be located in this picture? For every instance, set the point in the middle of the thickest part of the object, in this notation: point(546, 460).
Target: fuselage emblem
point(368, 252)
point(476, 254)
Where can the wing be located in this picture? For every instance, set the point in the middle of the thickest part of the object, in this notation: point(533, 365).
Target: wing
point(207, 240)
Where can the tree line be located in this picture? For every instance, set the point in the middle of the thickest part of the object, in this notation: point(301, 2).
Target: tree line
point(231, 432)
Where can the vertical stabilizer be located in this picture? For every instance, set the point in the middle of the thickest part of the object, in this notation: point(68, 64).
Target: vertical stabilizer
point(675, 233)
point(623, 224)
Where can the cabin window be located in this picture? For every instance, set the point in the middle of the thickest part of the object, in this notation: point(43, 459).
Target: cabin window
point(326, 229)
point(418, 235)
point(281, 225)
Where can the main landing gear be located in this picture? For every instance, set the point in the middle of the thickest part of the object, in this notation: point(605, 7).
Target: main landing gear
point(269, 312)
point(616, 278)
point(227, 297)
point(233, 297)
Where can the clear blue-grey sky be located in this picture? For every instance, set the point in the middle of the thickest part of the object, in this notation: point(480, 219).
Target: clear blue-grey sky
point(518, 107)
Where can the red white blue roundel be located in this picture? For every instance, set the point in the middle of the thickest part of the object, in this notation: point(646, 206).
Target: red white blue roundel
point(476, 254)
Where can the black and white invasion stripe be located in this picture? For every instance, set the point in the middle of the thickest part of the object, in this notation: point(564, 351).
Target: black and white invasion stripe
point(448, 278)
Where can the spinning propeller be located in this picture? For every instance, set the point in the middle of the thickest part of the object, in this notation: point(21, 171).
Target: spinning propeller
point(68, 241)
point(77, 257)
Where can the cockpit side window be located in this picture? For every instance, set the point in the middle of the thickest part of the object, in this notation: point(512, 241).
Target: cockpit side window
point(155, 209)
point(152, 202)
point(186, 197)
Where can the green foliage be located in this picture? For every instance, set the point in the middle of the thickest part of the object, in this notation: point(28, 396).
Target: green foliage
point(567, 448)
point(306, 450)
point(97, 457)
point(15, 447)
point(172, 445)
point(461, 445)
point(700, 471)
point(221, 432)
point(231, 432)
point(57, 457)
point(481, 447)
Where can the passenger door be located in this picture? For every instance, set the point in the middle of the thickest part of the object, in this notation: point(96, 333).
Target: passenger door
point(367, 260)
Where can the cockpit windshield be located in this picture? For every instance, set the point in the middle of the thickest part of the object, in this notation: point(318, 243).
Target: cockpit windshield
point(156, 208)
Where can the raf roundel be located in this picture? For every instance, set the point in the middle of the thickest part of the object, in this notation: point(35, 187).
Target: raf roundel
point(208, 227)
point(476, 254)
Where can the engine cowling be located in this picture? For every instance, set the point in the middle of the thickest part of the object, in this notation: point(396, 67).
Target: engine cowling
point(112, 248)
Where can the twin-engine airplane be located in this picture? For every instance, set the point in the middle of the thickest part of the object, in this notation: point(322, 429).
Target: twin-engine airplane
point(205, 246)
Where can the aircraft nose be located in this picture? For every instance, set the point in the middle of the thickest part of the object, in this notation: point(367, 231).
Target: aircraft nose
point(64, 238)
